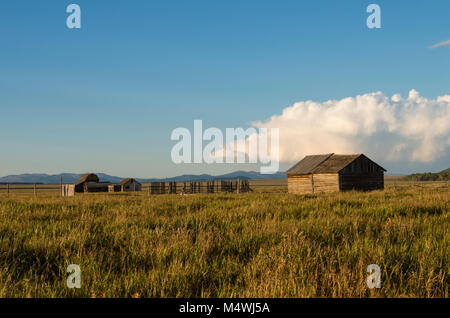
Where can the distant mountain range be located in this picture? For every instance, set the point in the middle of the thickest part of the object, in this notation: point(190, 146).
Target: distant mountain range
point(73, 177)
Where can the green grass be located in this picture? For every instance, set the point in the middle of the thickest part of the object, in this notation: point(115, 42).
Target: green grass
point(227, 245)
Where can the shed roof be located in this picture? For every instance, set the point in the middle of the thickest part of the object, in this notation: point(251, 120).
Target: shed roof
point(87, 177)
point(335, 163)
point(308, 164)
point(125, 181)
point(329, 163)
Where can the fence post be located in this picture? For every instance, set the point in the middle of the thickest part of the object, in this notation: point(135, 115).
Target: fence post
point(60, 186)
point(34, 188)
point(7, 189)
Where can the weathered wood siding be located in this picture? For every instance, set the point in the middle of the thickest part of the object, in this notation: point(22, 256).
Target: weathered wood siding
point(326, 182)
point(362, 165)
point(361, 182)
point(131, 186)
point(67, 190)
point(93, 187)
point(304, 184)
point(363, 175)
point(79, 188)
point(114, 188)
point(300, 184)
point(158, 188)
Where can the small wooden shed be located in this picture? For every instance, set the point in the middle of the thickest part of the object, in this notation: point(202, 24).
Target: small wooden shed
point(332, 172)
point(67, 190)
point(129, 185)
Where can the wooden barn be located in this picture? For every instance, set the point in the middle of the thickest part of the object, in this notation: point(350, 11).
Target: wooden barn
point(332, 173)
point(129, 185)
point(90, 182)
point(85, 178)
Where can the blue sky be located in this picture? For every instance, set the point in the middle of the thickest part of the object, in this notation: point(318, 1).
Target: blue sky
point(106, 98)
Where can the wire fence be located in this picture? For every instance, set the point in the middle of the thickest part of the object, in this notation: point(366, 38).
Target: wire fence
point(190, 187)
point(254, 186)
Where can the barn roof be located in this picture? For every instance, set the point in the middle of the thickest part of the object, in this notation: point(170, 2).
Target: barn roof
point(308, 164)
point(87, 177)
point(335, 163)
point(329, 163)
point(125, 181)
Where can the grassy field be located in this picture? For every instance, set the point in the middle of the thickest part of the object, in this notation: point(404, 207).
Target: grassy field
point(228, 245)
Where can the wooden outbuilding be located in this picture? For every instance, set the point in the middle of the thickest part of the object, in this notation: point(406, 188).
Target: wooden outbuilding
point(90, 182)
point(85, 178)
point(129, 185)
point(332, 173)
point(67, 190)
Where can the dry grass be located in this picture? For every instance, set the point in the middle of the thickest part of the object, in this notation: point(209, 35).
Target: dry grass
point(227, 245)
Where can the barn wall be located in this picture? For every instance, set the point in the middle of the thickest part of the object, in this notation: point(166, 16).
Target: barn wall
point(333, 182)
point(114, 188)
point(131, 186)
point(362, 165)
point(79, 188)
point(93, 187)
point(326, 182)
point(300, 184)
point(361, 181)
point(362, 175)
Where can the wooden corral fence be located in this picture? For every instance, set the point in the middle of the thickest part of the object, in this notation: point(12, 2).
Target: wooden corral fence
point(188, 187)
point(260, 186)
point(157, 188)
point(191, 187)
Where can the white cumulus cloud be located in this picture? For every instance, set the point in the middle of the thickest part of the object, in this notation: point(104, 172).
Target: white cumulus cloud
point(386, 128)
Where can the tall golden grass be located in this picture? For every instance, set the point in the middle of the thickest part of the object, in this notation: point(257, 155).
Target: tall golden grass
point(228, 245)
